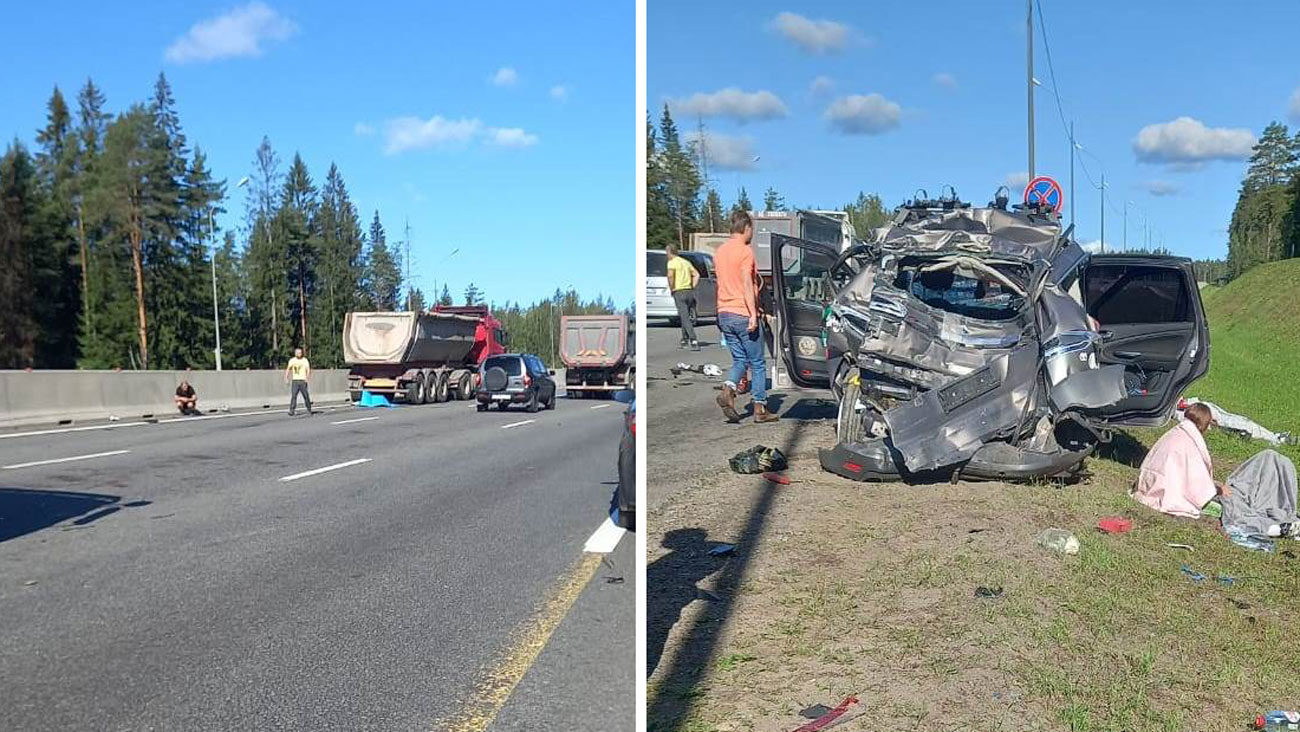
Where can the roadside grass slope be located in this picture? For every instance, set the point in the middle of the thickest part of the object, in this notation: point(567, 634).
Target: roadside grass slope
point(1255, 346)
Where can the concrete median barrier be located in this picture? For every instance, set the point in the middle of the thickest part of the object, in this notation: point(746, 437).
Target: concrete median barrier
point(45, 397)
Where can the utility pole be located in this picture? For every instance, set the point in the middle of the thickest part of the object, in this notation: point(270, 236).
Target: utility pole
point(1103, 213)
point(408, 263)
point(1072, 146)
point(1029, 77)
point(1126, 203)
point(216, 316)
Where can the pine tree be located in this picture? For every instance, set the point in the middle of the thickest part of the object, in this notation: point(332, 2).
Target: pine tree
point(339, 268)
point(415, 300)
point(383, 284)
point(265, 261)
point(21, 238)
point(660, 227)
point(866, 213)
point(445, 297)
point(713, 211)
point(473, 295)
point(742, 202)
point(1272, 160)
point(772, 201)
point(296, 221)
point(92, 126)
point(60, 300)
point(682, 179)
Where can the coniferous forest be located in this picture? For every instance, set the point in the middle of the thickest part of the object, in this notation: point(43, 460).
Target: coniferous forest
point(109, 242)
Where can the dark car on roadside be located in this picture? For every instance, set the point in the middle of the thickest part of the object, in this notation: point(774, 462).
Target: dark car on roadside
point(515, 379)
point(625, 496)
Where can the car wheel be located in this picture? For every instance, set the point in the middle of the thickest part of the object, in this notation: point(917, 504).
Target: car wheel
point(440, 390)
point(465, 390)
point(416, 391)
point(533, 404)
point(551, 403)
point(481, 407)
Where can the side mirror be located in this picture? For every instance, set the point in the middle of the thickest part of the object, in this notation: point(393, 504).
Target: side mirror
point(626, 396)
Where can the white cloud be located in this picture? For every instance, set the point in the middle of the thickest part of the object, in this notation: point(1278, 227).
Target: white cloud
point(863, 114)
point(511, 137)
point(1187, 141)
point(726, 152)
point(505, 76)
point(812, 36)
point(412, 133)
point(733, 103)
point(1294, 109)
point(1016, 182)
point(1161, 188)
point(822, 85)
point(242, 32)
point(1092, 247)
point(559, 92)
point(362, 129)
point(945, 80)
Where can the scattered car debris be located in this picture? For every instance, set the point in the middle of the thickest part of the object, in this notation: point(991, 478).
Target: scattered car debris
point(778, 478)
point(758, 459)
point(1115, 525)
point(829, 718)
point(610, 580)
point(722, 550)
point(990, 592)
point(708, 369)
point(1188, 547)
point(1192, 574)
point(977, 531)
point(29, 583)
point(1058, 540)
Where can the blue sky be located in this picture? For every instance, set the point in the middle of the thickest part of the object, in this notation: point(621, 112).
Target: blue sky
point(509, 133)
point(1166, 99)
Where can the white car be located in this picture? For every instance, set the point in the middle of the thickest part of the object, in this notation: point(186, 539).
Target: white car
point(659, 301)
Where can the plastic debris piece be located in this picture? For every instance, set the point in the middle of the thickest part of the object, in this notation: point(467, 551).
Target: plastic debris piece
point(1058, 540)
point(829, 718)
point(1115, 525)
point(29, 583)
point(1225, 579)
point(722, 550)
point(758, 459)
point(778, 478)
point(1188, 547)
point(983, 591)
point(370, 399)
point(613, 580)
point(1192, 574)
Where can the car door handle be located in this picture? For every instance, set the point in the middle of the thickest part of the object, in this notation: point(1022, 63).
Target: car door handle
point(1130, 355)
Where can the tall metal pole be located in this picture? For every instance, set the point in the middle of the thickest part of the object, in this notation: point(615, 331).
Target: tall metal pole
point(1029, 77)
point(1103, 213)
point(1072, 172)
point(216, 314)
point(1126, 225)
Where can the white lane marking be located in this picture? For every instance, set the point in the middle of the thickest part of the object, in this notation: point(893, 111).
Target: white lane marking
point(66, 459)
point(60, 430)
point(358, 419)
point(600, 406)
point(517, 424)
point(325, 469)
point(159, 420)
point(604, 538)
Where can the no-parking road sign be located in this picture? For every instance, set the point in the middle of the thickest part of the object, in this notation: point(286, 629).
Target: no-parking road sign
point(1044, 190)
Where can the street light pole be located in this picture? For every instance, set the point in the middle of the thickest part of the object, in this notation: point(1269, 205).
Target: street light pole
point(216, 314)
point(1103, 213)
point(1029, 78)
point(1073, 144)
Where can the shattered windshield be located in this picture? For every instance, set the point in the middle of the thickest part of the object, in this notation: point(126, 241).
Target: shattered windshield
point(975, 291)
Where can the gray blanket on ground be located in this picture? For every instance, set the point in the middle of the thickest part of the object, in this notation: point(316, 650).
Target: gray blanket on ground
point(1263, 493)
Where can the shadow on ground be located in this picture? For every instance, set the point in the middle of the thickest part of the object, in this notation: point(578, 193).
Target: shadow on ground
point(671, 584)
point(25, 510)
point(1124, 449)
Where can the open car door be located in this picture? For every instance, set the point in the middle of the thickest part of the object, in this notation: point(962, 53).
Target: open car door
point(803, 284)
point(1152, 322)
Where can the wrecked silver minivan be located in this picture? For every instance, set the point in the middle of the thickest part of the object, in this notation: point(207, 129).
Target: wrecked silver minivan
point(983, 342)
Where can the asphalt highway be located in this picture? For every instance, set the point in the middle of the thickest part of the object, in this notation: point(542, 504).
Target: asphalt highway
point(415, 568)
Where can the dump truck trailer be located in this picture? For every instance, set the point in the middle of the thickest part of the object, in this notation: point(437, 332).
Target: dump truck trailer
point(599, 353)
point(419, 357)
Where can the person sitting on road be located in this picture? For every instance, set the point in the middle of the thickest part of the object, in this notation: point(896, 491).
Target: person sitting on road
point(1177, 476)
point(187, 401)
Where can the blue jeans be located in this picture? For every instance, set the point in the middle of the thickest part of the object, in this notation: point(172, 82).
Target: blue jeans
point(746, 352)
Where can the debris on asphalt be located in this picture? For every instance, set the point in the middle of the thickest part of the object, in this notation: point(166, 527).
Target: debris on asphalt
point(722, 550)
point(1058, 540)
point(708, 369)
point(609, 580)
point(758, 459)
point(829, 718)
point(778, 478)
point(1115, 525)
point(29, 583)
point(977, 531)
point(983, 591)
point(1188, 547)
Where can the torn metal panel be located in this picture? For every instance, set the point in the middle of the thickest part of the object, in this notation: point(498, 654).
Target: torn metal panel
point(1092, 389)
point(930, 436)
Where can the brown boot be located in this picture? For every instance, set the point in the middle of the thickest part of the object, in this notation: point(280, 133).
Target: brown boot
point(761, 415)
point(727, 400)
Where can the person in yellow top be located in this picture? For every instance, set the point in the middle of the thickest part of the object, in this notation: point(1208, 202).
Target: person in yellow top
point(297, 373)
point(682, 279)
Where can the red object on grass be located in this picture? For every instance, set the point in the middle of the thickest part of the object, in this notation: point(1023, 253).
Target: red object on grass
point(825, 720)
point(778, 478)
point(1115, 525)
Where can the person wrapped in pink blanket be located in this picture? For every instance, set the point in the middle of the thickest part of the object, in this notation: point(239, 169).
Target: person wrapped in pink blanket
point(1177, 476)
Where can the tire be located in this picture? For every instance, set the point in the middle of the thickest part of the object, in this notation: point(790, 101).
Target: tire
point(465, 387)
point(533, 403)
point(416, 393)
point(848, 424)
point(440, 393)
point(503, 406)
point(481, 407)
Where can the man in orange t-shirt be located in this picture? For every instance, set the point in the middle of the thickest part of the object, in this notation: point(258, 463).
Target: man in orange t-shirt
point(738, 318)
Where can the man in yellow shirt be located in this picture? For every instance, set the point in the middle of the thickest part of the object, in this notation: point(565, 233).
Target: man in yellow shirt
point(297, 373)
point(682, 278)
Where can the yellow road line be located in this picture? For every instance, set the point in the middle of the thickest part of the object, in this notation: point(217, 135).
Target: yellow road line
point(500, 678)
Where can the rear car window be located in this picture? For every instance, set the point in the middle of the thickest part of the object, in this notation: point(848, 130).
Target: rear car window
point(656, 264)
point(1117, 294)
point(512, 365)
